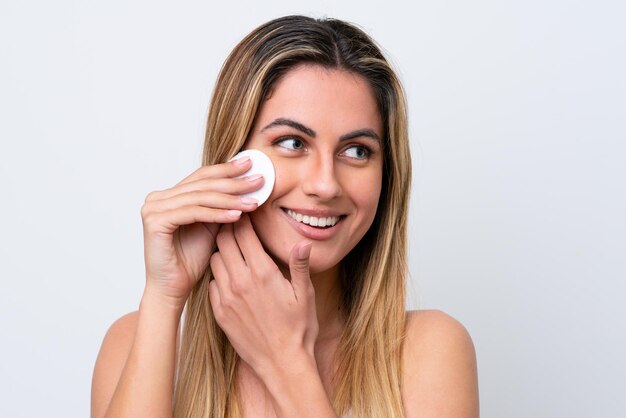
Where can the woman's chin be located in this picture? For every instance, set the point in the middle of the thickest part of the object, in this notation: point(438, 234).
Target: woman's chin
point(319, 267)
point(317, 262)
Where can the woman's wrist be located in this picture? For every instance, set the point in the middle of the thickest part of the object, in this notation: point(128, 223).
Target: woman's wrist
point(152, 299)
point(296, 389)
point(279, 375)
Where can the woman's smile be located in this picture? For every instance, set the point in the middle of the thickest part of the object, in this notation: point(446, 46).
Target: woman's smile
point(314, 224)
point(322, 129)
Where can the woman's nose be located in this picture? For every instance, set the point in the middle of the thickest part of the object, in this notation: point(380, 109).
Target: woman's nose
point(319, 179)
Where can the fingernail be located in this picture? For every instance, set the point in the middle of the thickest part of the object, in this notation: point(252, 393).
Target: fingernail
point(254, 177)
point(241, 161)
point(305, 250)
point(233, 213)
point(249, 201)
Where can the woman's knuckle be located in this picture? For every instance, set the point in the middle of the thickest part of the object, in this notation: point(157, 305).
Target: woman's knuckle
point(236, 287)
point(228, 300)
point(154, 219)
point(266, 272)
point(151, 196)
point(145, 210)
point(147, 217)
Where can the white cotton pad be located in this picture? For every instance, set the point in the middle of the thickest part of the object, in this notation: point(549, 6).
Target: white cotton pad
point(261, 164)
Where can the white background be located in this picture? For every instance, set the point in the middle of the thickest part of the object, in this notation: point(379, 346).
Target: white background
point(517, 222)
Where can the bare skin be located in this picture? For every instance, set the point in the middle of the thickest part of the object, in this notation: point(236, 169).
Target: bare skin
point(439, 369)
point(320, 128)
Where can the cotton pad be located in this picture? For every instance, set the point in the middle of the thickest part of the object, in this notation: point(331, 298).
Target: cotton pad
point(261, 164)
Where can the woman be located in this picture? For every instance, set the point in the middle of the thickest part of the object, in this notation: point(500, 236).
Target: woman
point(300, 311)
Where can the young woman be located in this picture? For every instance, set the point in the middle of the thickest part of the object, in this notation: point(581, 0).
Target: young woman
point(295, 308)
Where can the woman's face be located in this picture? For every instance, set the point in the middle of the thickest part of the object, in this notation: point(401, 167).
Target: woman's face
point(323, 131)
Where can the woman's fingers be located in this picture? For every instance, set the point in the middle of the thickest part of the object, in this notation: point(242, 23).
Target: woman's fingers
point(216, 300)
point(181, 223)
point(222, 185)
point(230, 253)
point(230, 169)
point(220, 280)
point(205, 199)
point(170, 220)
point(299, 267)
point(251, 248)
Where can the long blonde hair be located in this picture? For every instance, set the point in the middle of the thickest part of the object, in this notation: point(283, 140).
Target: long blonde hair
point(373, 274)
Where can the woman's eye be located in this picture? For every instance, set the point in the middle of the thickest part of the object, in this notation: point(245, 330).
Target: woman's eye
point(291, 143)
point(358, 152)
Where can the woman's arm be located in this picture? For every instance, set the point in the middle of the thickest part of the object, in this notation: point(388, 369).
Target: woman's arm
point(134, 372)
point(439, 368)
point(112, 357)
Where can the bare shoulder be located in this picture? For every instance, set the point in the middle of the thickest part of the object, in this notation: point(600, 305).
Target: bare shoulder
point(428, 327)
point(439, 367)
point(111, 359)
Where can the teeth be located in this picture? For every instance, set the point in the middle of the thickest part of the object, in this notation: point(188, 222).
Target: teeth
point(313, 220)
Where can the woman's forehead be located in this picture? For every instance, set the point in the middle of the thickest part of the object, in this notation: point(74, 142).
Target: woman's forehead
point(324, 98)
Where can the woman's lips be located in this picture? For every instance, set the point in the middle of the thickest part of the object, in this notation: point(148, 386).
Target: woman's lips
point(313, 232)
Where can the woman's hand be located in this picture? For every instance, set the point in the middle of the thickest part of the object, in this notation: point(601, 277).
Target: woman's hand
point(269, 320)
point(180, 225)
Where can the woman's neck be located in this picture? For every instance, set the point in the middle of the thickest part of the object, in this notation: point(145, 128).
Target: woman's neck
point(328, 297)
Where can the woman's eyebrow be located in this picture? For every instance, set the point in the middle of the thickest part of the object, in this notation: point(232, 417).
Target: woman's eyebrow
point(369, 133)
point(292, 124)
